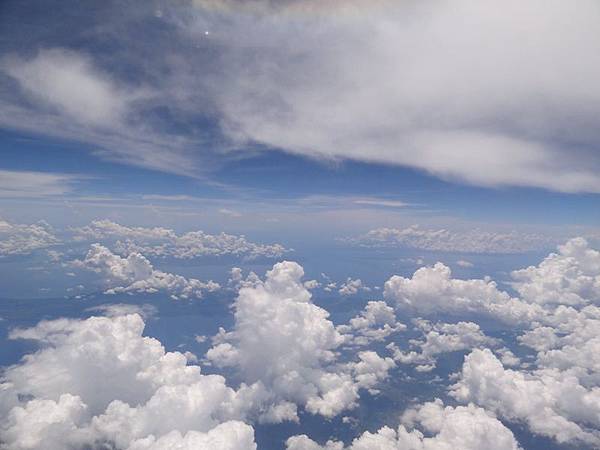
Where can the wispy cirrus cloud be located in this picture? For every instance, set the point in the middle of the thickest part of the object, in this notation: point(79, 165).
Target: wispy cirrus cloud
point(19, 183)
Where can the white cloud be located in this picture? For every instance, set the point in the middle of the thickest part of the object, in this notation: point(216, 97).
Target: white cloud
point(136, 274)
point(432, 290)
point(470, 241)
point(464, 263)
point(230, 213)
point(375, 323)
point(69, 82)
point(465, 428)
point(475, 121)
point(440, 338)
point(381, 202)
point(145, 311)
point(99, 380)
point(552, 403)
point(472, 122)
point(569, 277)
point(20, 183)
point(352, 287)
point(21, 239)
point(165, 242)
point(284, 342)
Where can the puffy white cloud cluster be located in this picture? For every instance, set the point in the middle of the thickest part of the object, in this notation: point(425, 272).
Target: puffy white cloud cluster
point(469, 241)
point(165, 242)
point(136, 274)
point(284, 343)
point(433, 290)
point(569, 277)
point(441, 428)
point(22, 239)
point(352, 287)
point(440, 338)
point(551, 402)
point(559, 396)
point(99, 382)
point(375, 323)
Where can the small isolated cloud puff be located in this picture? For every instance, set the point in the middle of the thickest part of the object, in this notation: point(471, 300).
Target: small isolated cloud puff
point(375, 323)
point(444, 428)
point(352, 287)
point(464, 263)
point(287, 344)
point(21, 239)
point(165, 242)
point(136, 274)
point(99, 380)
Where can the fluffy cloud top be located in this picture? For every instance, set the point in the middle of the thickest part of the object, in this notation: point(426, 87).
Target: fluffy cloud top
point(465, 428)
point(441, 338)
point(136, 274)
point(165, 242)
point(551, 402)
point(100, 382)
point(352, 287)
point(20, 239)
point(432, 290)
point(376, 322)
point(569, 277)
point(288, 344)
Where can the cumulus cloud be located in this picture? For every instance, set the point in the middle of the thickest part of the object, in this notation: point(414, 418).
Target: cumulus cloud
point(465, 428)
point(440, 338)
point(433, 290)
point(469, 241)
point(375, 323)
point(569, 277)
point(136, 274)
point(165, 242)
point(352, 287)
point(99, 381)
point(551, 402)
point(284, 342)
point(22, 239)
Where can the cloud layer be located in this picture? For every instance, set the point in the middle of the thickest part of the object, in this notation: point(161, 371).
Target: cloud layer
point(136, 274)
point(513, 105)
point(160, 242)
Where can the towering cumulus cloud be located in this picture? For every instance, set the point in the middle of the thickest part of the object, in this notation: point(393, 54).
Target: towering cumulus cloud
point(285, 343)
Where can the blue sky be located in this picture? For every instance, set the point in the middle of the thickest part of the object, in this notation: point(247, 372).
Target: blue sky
point(299, 224)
